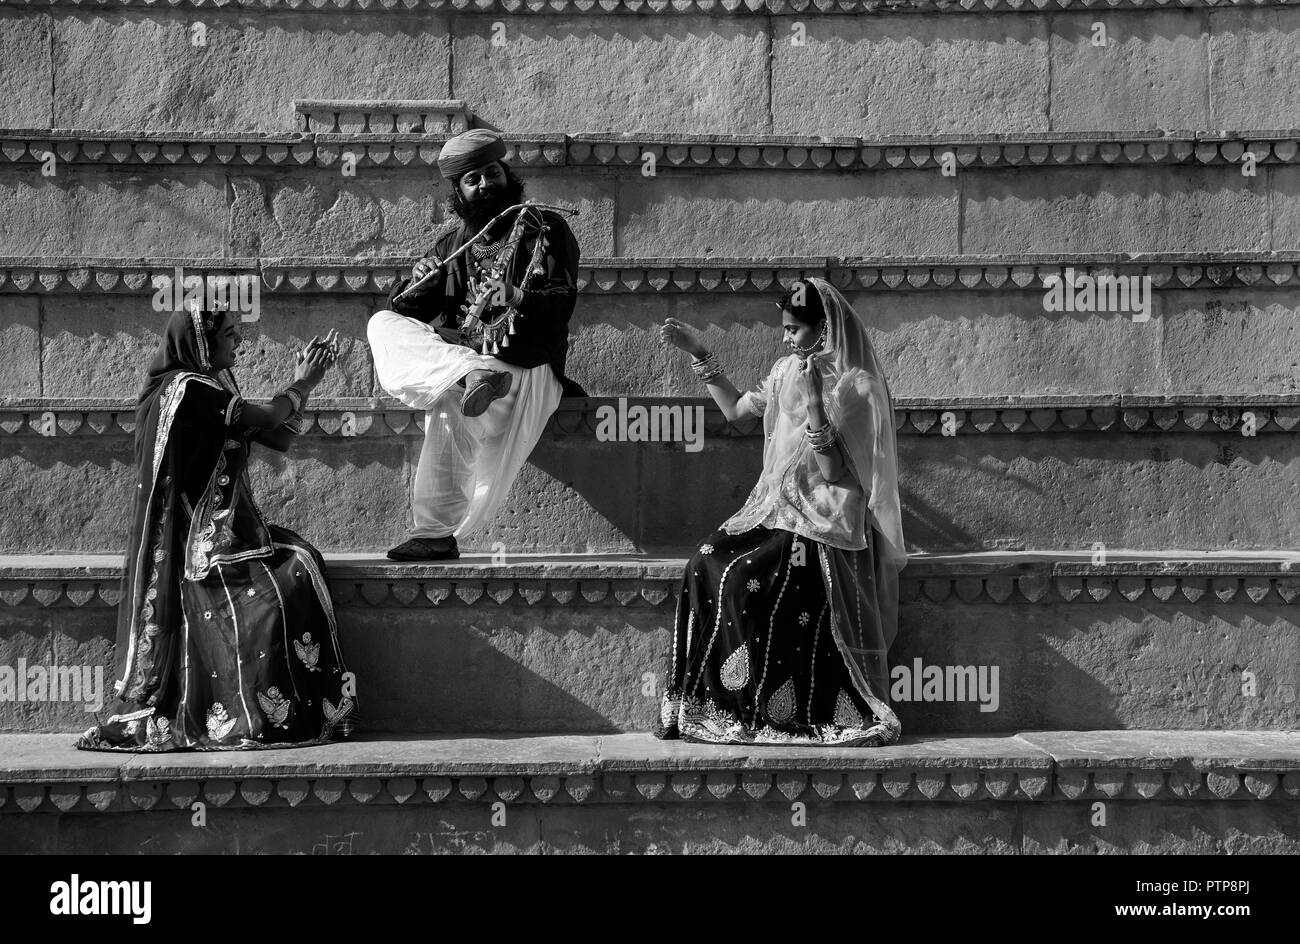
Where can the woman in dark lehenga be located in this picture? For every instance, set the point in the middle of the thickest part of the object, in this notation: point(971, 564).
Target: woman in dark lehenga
point(226, 636)
point(786, 614)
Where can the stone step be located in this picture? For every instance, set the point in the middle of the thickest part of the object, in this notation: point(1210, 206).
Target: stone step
point(1218, 792)
point(556, 644)
point(957, 326)
point(1139, 472)
point(1001, 66)
point(284, 199)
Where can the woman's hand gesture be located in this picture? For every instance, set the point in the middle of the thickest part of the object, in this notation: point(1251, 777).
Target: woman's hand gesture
point(680, 336)
point(809, 380)
point(315, 359)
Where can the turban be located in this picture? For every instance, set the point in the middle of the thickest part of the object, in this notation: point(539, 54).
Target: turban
point(467, 151)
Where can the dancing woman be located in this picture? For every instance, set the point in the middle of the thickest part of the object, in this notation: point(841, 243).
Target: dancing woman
point(786, 614)
point(226, 636)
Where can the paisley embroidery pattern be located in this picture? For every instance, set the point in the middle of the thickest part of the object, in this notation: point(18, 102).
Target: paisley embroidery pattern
point(308, 652)
point(219, 722)
point(780, 707)
point(709, 723)
point(158, 733)
point(735, 671)
point(846, 716)
point(275, 706)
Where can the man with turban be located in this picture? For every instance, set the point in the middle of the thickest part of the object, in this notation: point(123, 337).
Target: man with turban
point(480, 346)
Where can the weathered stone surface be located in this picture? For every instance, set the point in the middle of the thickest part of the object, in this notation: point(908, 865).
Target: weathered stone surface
point(106, 356)
point(1166, 828)
point(101, 211)
point(569, 497)
point(1251, 86)
point(881, 75)
point(332, 214)
point(59, 498)
point(25, 87)
point(541, 668)
point(615, 74)
point(1114, 666)
point(1284, 182)
point(1149, 75)
point(1230, 341)
point(1117, 209)
point(320, 212)
point(20, 340)
point(770, 213)
point(969, 492)
point(1044, 492)
point(968, 344)
point(149, 69)
point(1226, 751)
point(335, 499)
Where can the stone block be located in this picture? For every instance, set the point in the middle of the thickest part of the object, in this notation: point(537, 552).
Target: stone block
point(601, 74)
point(323, 213)
point(26, 88)
point(575, 495)
point(1166, 828)
point(1284, 218)
point(1252, 86)
point(20, 339)
point(65, 496)
point(1116, 209)
point(176, 70)
point(353, 498)
point(1066, 491)
point(514, 667)
point(875, 76)
point(1150, 75)
point(107, 211)
point(768, 213)
point(107, 355)
point(1231, 341)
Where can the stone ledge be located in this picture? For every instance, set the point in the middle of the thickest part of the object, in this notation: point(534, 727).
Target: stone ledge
point(657, 275)
point(409, 149)
point(433, 116)
point(1173, 578)
point(365, 419)
point(660, 7)
point(43, 773)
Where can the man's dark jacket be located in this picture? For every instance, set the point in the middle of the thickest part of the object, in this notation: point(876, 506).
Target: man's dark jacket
point(542, 327)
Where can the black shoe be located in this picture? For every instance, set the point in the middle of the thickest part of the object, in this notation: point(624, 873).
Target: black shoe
point(479, 397)
point(426, 549)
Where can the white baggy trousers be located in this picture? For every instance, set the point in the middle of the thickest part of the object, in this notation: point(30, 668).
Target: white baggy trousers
point(467, 464)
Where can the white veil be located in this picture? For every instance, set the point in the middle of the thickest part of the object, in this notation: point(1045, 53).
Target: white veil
point(858, 404)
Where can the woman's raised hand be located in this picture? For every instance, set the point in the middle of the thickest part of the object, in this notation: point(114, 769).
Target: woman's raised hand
point(809, 379)
point(680, 336)
point(315, 359)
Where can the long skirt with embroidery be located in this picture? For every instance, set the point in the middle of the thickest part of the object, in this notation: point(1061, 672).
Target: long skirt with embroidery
point(761, 655)
point(258, 663)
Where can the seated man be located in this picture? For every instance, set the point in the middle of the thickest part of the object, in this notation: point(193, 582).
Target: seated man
point(480, 346)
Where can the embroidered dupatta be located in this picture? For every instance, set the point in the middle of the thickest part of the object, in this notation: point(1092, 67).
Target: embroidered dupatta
point(183, 421)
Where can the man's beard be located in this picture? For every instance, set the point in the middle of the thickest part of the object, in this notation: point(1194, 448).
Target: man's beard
point(479, 212)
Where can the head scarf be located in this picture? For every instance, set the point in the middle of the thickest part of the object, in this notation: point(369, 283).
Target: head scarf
point(467, 151)
point(165, 451)
point(858, 404)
